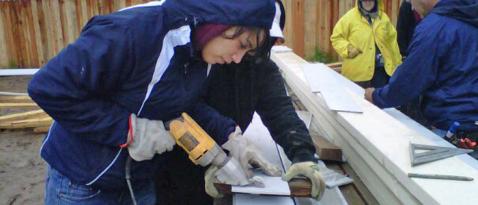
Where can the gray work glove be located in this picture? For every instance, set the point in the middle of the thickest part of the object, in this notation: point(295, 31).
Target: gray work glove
point(209, 180)
point(248, 155)
point(311, 171)
point(149, 138)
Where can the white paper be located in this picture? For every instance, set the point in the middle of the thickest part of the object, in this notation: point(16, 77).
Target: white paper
point(262, 139)
point(333, 87)
point(273, 186)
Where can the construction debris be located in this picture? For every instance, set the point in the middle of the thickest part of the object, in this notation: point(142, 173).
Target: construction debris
point(37, 119)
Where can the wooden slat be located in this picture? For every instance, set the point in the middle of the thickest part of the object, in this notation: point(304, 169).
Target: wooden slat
point(41, 129)
point(69, 21)
point(18, 105)
point(29, 123)
point(310, 28)
point(15, 99)
point(22, 115)
point(3, 37)
point(298, 26)
point(325, 149)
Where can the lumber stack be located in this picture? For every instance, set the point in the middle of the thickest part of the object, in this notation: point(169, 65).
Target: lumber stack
point(376, 145)
point(36, 120)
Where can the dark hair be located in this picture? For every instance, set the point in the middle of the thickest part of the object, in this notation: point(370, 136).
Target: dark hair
point(262, 51)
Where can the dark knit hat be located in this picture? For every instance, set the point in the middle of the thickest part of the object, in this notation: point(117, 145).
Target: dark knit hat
point(204, 33)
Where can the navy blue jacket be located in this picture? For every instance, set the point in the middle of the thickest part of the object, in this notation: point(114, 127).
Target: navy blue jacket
point(442, 63)
point(139, 60)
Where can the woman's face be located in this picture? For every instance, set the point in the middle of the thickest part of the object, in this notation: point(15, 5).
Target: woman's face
point(368, 4)
point(224, 49)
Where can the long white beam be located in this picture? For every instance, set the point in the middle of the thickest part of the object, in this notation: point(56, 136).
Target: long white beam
point(376, 144)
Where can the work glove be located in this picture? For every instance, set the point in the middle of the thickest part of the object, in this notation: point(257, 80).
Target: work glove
point(248, 155)
point(147, 138)
point(209, 180)
point(352, 51)
point(311, 171)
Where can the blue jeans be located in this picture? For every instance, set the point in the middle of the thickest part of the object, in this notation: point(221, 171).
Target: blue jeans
point(60, 190)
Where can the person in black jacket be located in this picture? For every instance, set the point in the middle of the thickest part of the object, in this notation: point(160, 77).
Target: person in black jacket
point(237, 91)
point(408, 19)
point(406, 23)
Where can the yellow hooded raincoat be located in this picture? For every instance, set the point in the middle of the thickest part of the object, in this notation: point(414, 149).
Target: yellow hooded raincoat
point(353, 28)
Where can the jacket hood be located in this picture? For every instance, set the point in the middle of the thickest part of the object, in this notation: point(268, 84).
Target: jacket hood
point(256, 13)
point(380, 5)
point(463, 10)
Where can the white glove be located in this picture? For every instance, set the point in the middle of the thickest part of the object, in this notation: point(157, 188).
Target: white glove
point(149, 138)
point(248, 155)
point(311, 171)
point(209, 180)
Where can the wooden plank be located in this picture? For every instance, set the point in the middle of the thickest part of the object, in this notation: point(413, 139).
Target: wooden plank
point(31, 43)
point(28, 123)
point(289, 30)
point(69, 21)
point(56, 27)
point(18, 105)
point(22, 115)
point(15, 99)
point(298, 26)
point(41, 129)
point(42, 31)
point(310, 28)
point(298, 188)
point(9, 22)
point(3, 43)
point(82, 14)
point(325, 149)
point(119, 4)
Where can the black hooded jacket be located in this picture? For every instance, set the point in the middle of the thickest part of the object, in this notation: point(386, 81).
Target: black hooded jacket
point(239, 90)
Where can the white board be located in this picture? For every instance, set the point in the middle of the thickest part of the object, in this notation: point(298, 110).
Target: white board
point(330, 85)
point(14, 72)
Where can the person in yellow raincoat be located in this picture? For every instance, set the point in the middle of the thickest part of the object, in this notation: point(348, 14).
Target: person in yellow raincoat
point(367, 41)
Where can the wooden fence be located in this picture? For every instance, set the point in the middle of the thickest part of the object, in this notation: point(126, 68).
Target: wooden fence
point(33, 31)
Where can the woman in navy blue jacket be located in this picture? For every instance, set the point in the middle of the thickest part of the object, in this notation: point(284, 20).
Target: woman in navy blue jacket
point(128, 71)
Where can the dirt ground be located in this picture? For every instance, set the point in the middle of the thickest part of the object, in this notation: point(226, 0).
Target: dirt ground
point(22, 171)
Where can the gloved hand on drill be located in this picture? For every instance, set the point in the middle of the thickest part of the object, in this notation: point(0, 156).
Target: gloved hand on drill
point(247, 154)
point(147, 138)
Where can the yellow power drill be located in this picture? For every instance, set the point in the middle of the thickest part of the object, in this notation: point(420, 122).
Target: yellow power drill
point(203, 150)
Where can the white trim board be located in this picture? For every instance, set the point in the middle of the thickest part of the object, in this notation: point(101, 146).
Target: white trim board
point(20, 71)
point(376, 146)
